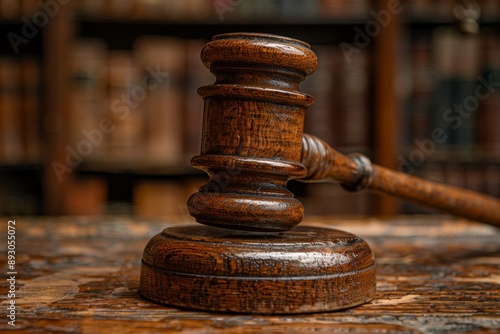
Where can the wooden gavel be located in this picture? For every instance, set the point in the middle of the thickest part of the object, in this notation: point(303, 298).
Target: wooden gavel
point(253, 143)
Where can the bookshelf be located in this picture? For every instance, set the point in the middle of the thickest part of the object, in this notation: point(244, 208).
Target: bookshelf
point(20, 107)
point(93, 161)
point(450, 107)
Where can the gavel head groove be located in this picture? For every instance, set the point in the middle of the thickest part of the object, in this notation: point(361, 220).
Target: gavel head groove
point(252, 131)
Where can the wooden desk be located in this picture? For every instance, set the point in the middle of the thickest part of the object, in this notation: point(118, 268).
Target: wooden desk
point(82, 275)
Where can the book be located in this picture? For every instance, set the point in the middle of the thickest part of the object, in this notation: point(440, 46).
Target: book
point(474, 177)
point(332, 199)
point(159, 198)
point(454, 107)
point(454, 172)
point(467, 68)
point(340, 114)
point(91, 7)
point(445, 43)
point(197, 75)
point(118, 8)
point(199, 9)
point(490, 9)
point(161, 96)
point(11, 143)
point(126, 141)
point(351, 114)
point(356, 9)
point(299, 9)
point(340, 117)
point(87, 107)
point(322, 85)
point(10, 9)
point(492, 180)
point(151, 9)
point(85, 196)
point(422, 84)
point(30, 109)
point(488, 133)
point(29, 7)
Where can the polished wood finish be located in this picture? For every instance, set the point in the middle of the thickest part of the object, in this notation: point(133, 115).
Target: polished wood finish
point(386, 95)
point(252, 131)
point(356, 173)
point(81, 275)
point(300, 271)
point(57, 40)
point(252, 144)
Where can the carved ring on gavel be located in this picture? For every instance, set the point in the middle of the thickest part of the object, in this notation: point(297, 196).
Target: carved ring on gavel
point(248, 256)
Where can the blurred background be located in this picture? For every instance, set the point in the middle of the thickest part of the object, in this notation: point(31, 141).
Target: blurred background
point(99, 112)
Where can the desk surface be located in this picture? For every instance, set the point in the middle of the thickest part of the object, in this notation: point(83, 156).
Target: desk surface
point(434, 275)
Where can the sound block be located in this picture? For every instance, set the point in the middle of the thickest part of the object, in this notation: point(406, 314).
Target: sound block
point(304, 270)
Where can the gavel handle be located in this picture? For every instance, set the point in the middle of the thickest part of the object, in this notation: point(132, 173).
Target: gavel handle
point(356, 172)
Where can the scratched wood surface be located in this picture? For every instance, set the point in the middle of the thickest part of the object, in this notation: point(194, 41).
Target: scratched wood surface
point(81, 275)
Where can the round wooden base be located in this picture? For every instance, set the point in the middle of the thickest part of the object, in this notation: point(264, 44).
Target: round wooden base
point(306, 269)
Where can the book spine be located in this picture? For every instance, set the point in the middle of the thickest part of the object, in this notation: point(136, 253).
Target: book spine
point(29, 7)
point(197, 75)
point(351, 117)
point(445, 44)
point(467, 66)
point(154, 198)
point(87, 100)
point(125, 141)
point(322, 86)
point(10, 9)
point(489, 110)
point(30, 75)
point(492, 180)
point(161, 63)
point(11, 147)
point(418, 118)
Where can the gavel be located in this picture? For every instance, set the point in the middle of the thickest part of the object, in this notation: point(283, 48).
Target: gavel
point(248, 256)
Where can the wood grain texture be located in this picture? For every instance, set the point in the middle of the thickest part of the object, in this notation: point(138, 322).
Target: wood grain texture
point(253, 121)
point(356, 172)
point(304, 270)
point(253, 143)
point(387, 109)
point(81, 275)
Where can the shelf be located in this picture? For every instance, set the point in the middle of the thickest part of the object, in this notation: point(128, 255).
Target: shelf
point(139, 169)
point(22, 166)
point(415, 21)
point(54, 42)
point(25, 46)
point(120, 33)
point(214, 21)
point(10, 22)
point(470, 156)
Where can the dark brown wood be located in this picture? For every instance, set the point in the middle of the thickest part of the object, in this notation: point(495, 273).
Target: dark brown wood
point(252, 144)
point(81, 275)
point(252, 131)
point(300, 271)
point(57, 43)
point(356, 173)
point(63, 191)
point(386, 94)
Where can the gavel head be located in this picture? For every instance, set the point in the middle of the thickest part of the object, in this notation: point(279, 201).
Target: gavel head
point(252, 131)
